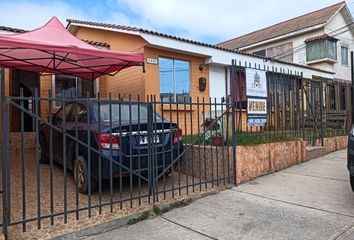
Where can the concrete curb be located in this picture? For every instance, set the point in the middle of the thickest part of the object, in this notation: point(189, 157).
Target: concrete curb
point(98, 229)
point(120, 222)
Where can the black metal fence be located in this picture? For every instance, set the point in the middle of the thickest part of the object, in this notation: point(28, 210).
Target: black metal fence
point(95, 155)
point(297, 108)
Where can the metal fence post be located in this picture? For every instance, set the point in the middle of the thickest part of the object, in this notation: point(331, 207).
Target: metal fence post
point(5, 156)
point(150, 152)
point(302, 106)
point(321, 110)
point(233, 121)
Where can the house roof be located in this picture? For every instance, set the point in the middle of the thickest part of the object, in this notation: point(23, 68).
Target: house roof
point(321, 37)
point(136, 29)
point(10, 29)
point(308, 20)
point(18, 30)
point(96, 43)
point(109, 26)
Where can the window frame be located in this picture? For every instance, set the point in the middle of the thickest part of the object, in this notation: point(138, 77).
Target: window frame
point(327, 56)
point(175, 98)
point(347, 55)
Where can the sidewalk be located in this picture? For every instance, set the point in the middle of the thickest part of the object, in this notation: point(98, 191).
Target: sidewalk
point(308, 201)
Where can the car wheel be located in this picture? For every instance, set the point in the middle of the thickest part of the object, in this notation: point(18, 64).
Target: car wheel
point(351, 182)
point(81, 176)
point(41, 151)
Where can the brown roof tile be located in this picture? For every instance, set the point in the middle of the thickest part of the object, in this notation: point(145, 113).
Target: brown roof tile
point(305, 21)
point(321, 37)
point(10, 29)
point(96, 43)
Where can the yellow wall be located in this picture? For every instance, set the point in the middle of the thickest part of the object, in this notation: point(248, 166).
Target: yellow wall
point(134, 82)
point(152, 87)
point(127, 81)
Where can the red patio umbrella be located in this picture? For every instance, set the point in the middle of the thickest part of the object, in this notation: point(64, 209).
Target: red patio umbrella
point(52, 49)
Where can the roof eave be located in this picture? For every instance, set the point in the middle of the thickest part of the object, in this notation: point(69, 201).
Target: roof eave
point(338, 10)
point(71, 26)
point(153, 40)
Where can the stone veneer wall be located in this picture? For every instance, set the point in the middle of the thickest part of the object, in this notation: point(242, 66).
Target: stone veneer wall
point(252, 161)
point(335, 143)
point(329, 145)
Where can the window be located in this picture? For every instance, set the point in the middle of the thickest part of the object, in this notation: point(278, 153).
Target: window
point(174, 80)
point(322, 49)
point(69, 86)
point(344, 55)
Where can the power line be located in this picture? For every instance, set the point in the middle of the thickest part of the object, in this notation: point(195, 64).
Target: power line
point(291, 50)
point(300, 47)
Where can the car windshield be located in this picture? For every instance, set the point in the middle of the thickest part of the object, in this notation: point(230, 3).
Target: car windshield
point(122, 112)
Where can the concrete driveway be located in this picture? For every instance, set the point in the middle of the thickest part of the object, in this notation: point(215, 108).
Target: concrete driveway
point(308, 201)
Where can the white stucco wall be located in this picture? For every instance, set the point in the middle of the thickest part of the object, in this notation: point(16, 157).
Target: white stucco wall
point(217, 83)
point(339, 29)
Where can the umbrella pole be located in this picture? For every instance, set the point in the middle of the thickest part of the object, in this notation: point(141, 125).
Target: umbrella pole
point(5, 156)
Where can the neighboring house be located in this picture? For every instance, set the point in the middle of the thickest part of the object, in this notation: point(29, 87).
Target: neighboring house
point(322, 39)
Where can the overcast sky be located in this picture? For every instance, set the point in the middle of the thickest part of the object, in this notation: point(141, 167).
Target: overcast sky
point(210, 21)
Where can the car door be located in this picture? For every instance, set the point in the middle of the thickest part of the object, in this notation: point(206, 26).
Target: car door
point(58, 135)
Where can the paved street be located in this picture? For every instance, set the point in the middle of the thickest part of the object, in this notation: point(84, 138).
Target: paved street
point(308, 201)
